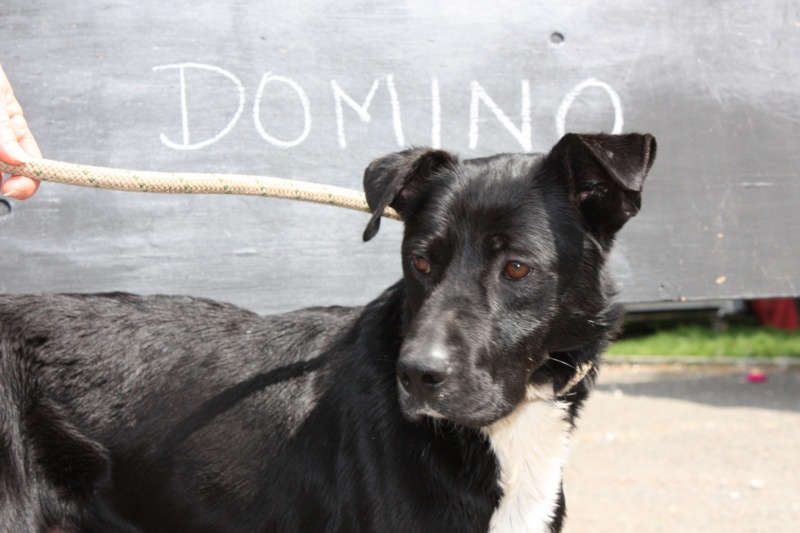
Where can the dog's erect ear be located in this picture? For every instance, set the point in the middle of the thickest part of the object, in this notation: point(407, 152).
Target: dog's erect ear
point(605, 174)
point(396, 180)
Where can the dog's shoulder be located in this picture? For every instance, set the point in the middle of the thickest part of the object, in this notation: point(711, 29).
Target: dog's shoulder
point(49, 469)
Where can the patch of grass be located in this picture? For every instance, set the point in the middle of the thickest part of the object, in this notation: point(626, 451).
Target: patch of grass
point(698, 340)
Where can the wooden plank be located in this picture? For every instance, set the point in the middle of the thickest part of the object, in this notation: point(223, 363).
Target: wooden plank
point(315, 90)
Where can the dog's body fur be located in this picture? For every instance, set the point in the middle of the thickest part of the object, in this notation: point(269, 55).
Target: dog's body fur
point(443, 405)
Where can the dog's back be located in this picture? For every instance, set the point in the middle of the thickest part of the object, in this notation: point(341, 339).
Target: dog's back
point(161, 382)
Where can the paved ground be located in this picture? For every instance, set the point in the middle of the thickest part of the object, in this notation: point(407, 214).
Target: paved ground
point(674, 448)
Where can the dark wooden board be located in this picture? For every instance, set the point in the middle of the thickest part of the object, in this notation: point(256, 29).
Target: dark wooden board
point(717, 83)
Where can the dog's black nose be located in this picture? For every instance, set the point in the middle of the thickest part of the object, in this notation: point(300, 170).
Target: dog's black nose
point(420, 380)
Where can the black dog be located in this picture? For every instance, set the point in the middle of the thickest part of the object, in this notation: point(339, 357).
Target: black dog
point(445, 405)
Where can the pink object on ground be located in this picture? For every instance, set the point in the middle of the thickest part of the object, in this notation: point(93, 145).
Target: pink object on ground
point(756, 376)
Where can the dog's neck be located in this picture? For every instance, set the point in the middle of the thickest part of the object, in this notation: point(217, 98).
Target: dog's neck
point(531, 445)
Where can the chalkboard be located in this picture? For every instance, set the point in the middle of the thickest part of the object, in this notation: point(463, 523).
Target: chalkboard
point(314, 90)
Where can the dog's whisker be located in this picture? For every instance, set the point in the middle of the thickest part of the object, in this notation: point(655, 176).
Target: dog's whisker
point(560, 361)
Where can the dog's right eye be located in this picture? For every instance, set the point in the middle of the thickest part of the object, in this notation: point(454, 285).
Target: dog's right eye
point(421, 264)
point(516, 271)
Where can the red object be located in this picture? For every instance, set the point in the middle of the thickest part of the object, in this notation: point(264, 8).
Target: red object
point(778, 313)
point(756, 376)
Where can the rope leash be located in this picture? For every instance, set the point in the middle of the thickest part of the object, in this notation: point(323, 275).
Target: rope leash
point(191, 183)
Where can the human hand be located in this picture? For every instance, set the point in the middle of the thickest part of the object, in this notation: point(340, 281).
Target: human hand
point(17, 144)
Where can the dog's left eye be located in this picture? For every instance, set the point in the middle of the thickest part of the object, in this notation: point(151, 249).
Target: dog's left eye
point(421, 264)
point(515, 270)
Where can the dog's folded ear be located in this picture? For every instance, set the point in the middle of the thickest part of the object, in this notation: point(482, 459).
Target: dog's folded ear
point(605, 174)
point(397, 179)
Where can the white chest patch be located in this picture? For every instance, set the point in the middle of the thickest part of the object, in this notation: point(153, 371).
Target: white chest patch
point(531, 445)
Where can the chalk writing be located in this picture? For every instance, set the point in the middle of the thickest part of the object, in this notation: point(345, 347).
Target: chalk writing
point(566, 103)
point(398, 126)
point(271, 78)
point(436, 115)
point(521, 134)
point(362, 110)
point(479, 98)
point(186, 145)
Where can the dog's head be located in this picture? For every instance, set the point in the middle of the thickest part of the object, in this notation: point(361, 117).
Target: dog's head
point(503, 259)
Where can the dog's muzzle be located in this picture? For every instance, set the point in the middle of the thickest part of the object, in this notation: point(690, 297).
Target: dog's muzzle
point(421, 380)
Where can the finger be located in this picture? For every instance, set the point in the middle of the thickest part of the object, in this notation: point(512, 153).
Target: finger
point(16, 141)
point(25, 137)
point(19, 187)
point(10, 150)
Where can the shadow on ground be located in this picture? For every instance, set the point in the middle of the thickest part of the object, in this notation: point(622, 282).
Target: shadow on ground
point(716, 386)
